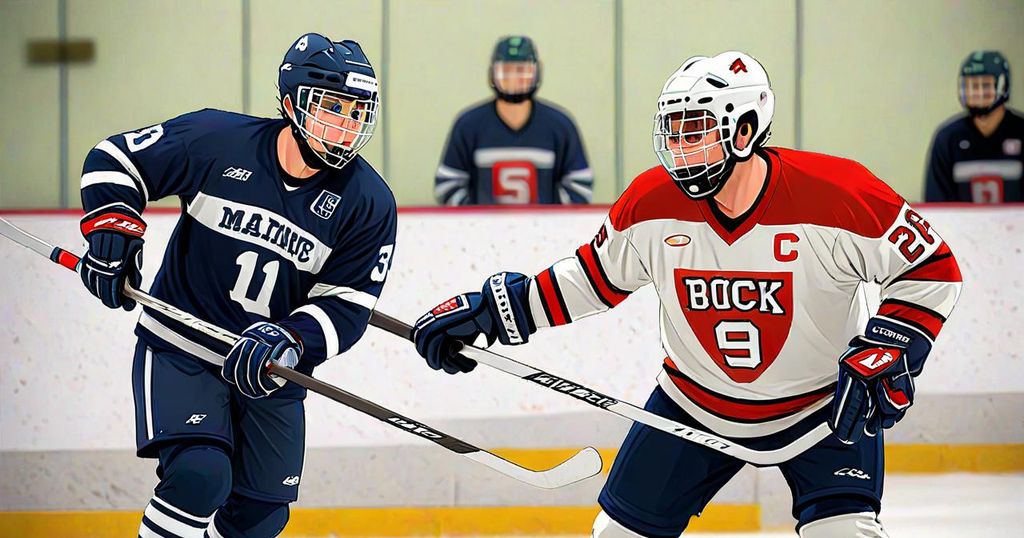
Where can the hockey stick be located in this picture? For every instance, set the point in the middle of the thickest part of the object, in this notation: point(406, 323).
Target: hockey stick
point(582, 465)
point(623, 409)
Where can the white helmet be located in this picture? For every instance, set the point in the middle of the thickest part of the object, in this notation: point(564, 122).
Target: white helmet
point(705, 97)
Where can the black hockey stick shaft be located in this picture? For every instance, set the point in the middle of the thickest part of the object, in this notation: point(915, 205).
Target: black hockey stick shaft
point(612, 405)
point(584, 464)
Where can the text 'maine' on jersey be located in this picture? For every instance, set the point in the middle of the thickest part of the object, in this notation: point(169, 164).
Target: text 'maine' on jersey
point(250, 245)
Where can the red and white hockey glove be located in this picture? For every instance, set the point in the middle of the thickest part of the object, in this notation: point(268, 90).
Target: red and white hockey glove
point(115, 241)
point(876, 379)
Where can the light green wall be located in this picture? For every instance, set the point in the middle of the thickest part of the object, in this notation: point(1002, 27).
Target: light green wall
point(29, 153)
point(654, 48)
point(878, 75)
point(154, 60)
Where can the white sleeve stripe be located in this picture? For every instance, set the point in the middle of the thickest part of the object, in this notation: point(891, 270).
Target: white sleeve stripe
point(580, 188)
point(540, 319)
point(326, 325)
point(447, 172)
point(120, 205)
point(108, 177)
point(581, 174)
point(458, 197)
point(938, 296)
point(563, 196)
point(109, 148)
point(441, 190)
point(361, 298)
point(580, 298)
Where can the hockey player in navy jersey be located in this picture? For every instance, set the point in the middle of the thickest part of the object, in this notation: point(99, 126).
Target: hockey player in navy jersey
point(976, 156)
point(286, 237)
point(515, 149)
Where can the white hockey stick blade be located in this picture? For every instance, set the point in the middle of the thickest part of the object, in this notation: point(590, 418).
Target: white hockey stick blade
point(585, 464)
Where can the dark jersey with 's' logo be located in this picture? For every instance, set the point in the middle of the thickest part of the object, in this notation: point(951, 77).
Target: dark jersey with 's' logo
point(965, 166)
point(486, 162)
point(312, 254)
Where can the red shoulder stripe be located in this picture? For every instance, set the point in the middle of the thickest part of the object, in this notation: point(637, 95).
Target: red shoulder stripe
point(937, 268)
point(606, 291)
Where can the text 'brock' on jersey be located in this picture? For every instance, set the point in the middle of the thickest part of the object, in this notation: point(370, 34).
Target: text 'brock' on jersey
point(741, 318)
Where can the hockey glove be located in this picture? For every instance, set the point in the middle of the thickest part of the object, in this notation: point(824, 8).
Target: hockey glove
point(262, 343)
point(114, 234)
point(498, 313)
point(876, 379)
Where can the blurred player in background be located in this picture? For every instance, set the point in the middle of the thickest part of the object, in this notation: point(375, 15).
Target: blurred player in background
point(759, 256)
point(515, 149)
point(976, 156)
point(285, 237)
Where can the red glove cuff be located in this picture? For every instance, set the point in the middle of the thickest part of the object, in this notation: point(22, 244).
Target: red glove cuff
point(115, 222)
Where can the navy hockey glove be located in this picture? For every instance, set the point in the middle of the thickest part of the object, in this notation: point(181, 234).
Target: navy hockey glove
point(115, 241)
point(876, 379)
point(262, 343)
point(499, 313)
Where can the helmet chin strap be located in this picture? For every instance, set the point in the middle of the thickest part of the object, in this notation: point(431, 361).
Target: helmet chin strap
point(309, 157)
point(514, 98)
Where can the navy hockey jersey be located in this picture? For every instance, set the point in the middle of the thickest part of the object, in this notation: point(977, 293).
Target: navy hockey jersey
point(486, 162)
point(312, 255)
point(965, 166)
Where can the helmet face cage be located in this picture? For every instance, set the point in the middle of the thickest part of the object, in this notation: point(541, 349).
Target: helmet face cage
point(695, 147)
point(335, 125)
point(515, 77)
point(982, 93)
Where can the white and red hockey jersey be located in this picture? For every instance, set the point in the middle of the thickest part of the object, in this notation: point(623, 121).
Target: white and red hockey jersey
point(755, 313)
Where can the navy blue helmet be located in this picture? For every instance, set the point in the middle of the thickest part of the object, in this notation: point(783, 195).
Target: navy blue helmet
point(978, 64)
point(332, 97)
point(515, 69)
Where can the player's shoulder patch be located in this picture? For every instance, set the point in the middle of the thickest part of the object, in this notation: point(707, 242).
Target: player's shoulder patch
point(653, 195)
point(825, 190)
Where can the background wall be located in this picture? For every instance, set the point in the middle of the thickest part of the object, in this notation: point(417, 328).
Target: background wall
point(866, 79)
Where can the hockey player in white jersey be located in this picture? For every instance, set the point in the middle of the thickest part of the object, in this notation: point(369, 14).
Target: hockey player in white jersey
point(759, 256)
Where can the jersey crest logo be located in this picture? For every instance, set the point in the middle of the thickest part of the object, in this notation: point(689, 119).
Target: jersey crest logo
point(236, 172)
point(325, 204)
point(1011, 146)
point(677, 240)
point(741, 318)
point(737, 66)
